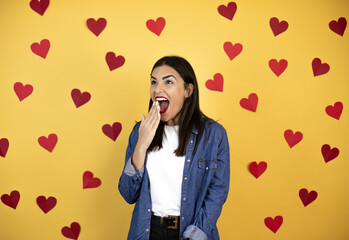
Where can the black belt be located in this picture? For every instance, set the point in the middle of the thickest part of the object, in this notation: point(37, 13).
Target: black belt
point(170, 222)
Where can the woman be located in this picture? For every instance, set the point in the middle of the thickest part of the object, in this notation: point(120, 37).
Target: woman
point(177, 161)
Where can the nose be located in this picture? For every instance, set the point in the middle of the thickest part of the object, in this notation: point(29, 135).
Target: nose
point(158, 88)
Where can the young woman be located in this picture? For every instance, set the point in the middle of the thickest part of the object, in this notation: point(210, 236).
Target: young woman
point(177, 161)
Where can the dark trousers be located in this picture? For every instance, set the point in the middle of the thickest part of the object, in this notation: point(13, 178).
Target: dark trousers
point(158, 232)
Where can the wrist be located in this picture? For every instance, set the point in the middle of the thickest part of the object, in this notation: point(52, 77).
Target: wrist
point(138, 158)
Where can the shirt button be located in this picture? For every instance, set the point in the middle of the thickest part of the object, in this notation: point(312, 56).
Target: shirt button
point(185, 178)
point(148, 210)
point(184, 199)
point(206, 168)
point(191, 141)
point(182, 218)
point(147, 230)
point(188, 160)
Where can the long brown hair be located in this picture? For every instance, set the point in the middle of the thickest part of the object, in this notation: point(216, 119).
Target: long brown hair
point(190, 115)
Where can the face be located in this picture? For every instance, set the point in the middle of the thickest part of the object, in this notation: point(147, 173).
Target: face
point(167, 87)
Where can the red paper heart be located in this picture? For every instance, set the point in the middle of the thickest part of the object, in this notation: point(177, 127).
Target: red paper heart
point(42, 48)
point(338, 27)
point(257, 169)
point(4, 144)
point(96, 26)
point(72, 232)
point(273, 224)
point(88, 181)
point(156, 26)
point(335, 111)
point(292, 138)
point(228, 11)
point(278, 67)
point(46, 204)
point(278, 27)
point(114, 62)
point(79, 98)
point(48, 143)
point(232, 50)
point(250, 103)
point(112, 131)
point(22, 91)
point(307, 197)
point(328, 153)
point(216, 84)
point(12, 199)
point(39, 6)
point(319, 68)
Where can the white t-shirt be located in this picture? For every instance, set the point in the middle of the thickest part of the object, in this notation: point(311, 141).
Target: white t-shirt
point(165, 172)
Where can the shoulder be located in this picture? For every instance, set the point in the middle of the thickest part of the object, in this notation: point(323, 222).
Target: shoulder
point(212, 125)
point(213, 129)
point(134, 132)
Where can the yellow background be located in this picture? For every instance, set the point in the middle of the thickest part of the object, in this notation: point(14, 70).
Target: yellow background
point(296, 100)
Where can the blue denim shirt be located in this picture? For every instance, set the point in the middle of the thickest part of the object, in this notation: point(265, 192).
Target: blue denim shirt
point(205, 186)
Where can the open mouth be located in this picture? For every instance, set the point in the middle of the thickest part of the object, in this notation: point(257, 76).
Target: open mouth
point(163, 103)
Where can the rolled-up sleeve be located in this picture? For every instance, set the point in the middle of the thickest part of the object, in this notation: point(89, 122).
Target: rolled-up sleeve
point(129, 170)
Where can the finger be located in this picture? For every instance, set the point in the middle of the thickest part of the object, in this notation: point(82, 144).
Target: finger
point(156, 121)
point(153, 113)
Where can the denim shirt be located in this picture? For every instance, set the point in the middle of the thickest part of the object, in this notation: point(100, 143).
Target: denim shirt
point(205, 186)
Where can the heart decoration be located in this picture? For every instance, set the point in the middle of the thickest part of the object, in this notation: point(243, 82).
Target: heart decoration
point(21, 91)
point(278, 27)
point(4, 144)
point(292, 138)
point(335, 111)
point(338, 26)
point(79, 98)
point(319, 68)
point(273, 223)
point(113, 61)
point(156, 26)
point(250, 103)
point(41, 49)
point(72, 232)
point(49, 142)
point(216, 84)
point(46, 204)
point(329, 153)
point(257, 169)
point(12, 199)
point(307, 197)
point(112, 131)
point(232, 50)
point(39, 6)
point(88, 181)
point(96, 27)
point(228, 11)
point(278, 67)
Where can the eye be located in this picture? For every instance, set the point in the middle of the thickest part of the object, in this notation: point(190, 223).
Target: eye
point(153, 82)
point(169, 82)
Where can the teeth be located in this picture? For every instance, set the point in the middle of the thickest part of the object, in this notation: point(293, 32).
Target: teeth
point(161, 99)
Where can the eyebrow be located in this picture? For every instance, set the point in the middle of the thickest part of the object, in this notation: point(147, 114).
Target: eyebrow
point(167, 76)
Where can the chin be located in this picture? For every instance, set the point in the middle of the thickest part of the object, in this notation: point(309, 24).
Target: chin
point(165, 117)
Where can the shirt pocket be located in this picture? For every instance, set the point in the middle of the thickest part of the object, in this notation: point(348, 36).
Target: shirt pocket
point(205, 172)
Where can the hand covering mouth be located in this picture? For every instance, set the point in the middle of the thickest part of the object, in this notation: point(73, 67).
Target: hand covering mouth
point(163, 103)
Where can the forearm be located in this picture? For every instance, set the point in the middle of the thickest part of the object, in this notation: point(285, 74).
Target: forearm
point(138, 157)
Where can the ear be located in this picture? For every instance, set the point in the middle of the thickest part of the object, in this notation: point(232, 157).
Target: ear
point(189, 90)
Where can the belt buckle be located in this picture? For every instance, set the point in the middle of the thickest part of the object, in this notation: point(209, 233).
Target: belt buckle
point(175, 222)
